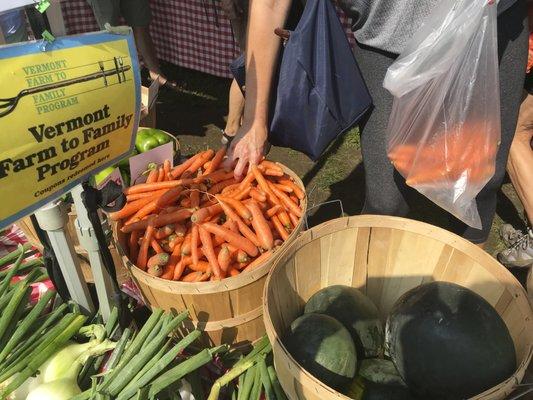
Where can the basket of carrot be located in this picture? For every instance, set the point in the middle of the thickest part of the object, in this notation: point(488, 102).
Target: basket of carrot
point(194, 238)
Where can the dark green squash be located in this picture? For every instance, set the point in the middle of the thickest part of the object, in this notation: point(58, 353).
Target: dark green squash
point(448, 342)
point(363, 389)
point(356, 312)
point(323, 346)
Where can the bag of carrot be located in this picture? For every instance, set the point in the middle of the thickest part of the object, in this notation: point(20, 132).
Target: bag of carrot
point(197, 223)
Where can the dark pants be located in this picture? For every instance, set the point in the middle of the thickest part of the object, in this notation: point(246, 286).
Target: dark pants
point(386, 191)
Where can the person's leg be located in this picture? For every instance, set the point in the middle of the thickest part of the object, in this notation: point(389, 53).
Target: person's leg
point(512, 49)
point(385, 188)
point(235, 109)
point(520, 163)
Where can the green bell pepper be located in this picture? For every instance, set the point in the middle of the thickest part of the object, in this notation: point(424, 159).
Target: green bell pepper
point(147, 139)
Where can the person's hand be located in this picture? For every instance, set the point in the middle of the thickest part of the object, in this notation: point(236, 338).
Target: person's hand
point(247, 148)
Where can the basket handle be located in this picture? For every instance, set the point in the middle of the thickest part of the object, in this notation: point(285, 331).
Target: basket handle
point(306, 216)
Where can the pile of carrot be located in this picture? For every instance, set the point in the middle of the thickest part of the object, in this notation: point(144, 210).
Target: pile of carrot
point(195, 222)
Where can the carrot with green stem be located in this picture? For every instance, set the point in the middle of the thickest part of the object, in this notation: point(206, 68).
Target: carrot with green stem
point(232, 238)
point(260, 226)
point(208, 249)
point(217, 160)
point(142, 258)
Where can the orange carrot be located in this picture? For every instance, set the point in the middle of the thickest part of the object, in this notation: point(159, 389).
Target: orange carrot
point(209, 251)
point(247, 181)
point(174, 260)
point(261, 227)
point(258, 261)
point(214, 177)
point(224, 258)
point(194, 244)
point(195, 197)
point(142, 258)
point(160, 260)
point(205, 213)
point(168, 272)
point(180, 169)
point(241, 194)
point(237, 206)
point(273, 172)
point(169, 197)
point(175, 241)
point(217, 160)
point(186, 202)
point(232, 238)
point(294, 199)
point(271, 165)
point(263, 184)
point(160, 220)
point(134, 245)
point(137, 196)
point(217, 188)
point(180, 230)
point(287, 201)
point(284, 188)
point(148, 187)
point(232, 226)
point(194, 276)
point(186, 246)
point(160, 175)
point(256, 195)
point(230, 189)
point(152, 176)
point(294, 219)
point(233, 271)
point(205, 156)
point(273, 211)
point(157, 248)
point(242, 257)
point(131, 208)
point(202, 266)
point(206, 166)
point(279, 227)
point(296, 189)
point(243, 228)
point(284, 219)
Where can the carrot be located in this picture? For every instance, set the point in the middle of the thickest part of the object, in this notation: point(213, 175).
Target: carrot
point(256, 195)
point(156, 270)
point(186, 246)
point(152, 176)
point(168, 210)
point(291, 205)
point(148, 187)
point(169, 197)
point(168, 272)
point(131, 208)
point(194, 244)
point(186, 202)
point(160, 259)
point(134, 245)
point(205, 213)
point(224, 258)
point(180, 169)
point(232, 238)
point(241, 194)
point(165, 246)
point(202, 266)
point(294, 219)
point(160, 220)
point(243, 228)
point(273, 172)
point(180, 230)
point(194, 276)
point(273, 211)
point(237, 206)
point(142, 258)
point(263, 184)
point(204, 157)
point(259, 260)
point(157, 248)
point(174, 260)
point(164, 232)
point(242, 257)
point(137, 196)
point(207, 247)
point(284, 219)
point(294, 199)
point(284, 188)
point(296, 189)
point(160, 174)
point(166, 167)
point(233, 271)
point(221, 185)
point(270, 165)
point(229, 189)
point(260, 226)
point(278, 242)
point(195, 197)
point(206, 165)
point(247, 181)
point(279, 227)
point(214, 177)
point(217, 160)
point(232, 226)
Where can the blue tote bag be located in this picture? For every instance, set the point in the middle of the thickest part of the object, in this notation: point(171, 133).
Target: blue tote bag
point(320, 92)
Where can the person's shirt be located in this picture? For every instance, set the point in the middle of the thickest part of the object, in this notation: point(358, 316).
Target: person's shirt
point(389, 24)
point(11, 22)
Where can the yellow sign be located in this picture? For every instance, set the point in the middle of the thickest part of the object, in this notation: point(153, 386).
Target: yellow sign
point(65, 113)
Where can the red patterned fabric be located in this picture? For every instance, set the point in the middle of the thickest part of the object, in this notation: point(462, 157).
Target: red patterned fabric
point(193, 34)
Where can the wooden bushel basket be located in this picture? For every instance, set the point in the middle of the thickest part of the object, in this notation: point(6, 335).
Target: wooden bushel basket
point(229, 311)
point(384, 257)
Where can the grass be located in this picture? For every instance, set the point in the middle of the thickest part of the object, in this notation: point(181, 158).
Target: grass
point(352, 139)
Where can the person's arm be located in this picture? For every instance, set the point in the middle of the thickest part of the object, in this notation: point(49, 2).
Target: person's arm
point(262, 47)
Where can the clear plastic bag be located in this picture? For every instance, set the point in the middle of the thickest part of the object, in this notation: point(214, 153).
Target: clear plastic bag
point(444, 128)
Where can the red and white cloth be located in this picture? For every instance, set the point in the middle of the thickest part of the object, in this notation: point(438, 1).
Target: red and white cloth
point(10, 238)
point(193, 34)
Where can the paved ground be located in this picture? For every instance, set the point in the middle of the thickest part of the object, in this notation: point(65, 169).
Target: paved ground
point(197, 115)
